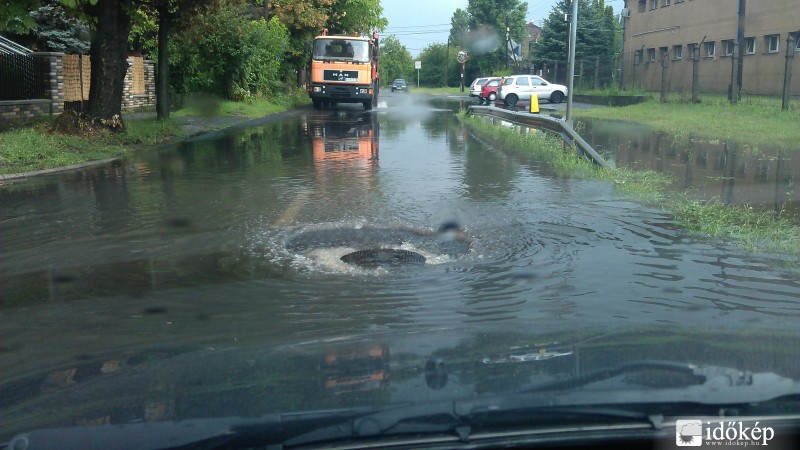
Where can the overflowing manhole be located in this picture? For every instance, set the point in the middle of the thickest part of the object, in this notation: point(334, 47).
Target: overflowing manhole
point(381, 257)
point(372, 247)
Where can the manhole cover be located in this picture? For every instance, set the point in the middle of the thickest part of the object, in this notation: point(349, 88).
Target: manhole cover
point(383, 257)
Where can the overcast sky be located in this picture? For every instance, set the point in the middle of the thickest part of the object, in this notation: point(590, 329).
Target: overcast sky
point(419, 23)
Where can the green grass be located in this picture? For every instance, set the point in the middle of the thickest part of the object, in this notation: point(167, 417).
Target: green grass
point(438, 90)
point(752, 229)
point(36, 147)
point(755, 121)
point(206, 106)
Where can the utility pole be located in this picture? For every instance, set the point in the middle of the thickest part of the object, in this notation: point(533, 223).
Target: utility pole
point(787, 71)
point(737, 64)
point(508, 40)
point(571, 66)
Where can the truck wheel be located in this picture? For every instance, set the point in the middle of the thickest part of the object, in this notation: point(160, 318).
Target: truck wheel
point(367, 105)
point(317, 103)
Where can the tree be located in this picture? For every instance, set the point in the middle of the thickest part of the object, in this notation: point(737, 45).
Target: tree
point(395, 60)
point(459, 27)
point(55, 31)
point(224, 52)
point(595, 34)
point(433, 58)
point(489, 20)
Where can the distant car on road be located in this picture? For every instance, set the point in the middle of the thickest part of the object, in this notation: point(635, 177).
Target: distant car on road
point(521, 87)
point(475, 87)
point(489, 90)
point(399, 85)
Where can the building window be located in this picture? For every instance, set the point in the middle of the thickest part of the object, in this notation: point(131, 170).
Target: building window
point(677, 52)
point(797, 43)
point(653, 4)
point(637, 57)
point(642, 6)
point(663, 52)
point(651, 54)
point(750, 45)
point(711, 49)
point(665, 3)
point(773, 43)
point(728, 46)
point(678, 1)
point(692, 48)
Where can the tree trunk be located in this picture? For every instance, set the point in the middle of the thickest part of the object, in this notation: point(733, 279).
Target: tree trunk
point(162, 83)
point(109, 53)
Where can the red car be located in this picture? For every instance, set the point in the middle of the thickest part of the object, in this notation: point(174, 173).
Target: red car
point(489, 90)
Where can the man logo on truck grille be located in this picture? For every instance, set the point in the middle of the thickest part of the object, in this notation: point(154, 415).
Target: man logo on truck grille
point(340, 75)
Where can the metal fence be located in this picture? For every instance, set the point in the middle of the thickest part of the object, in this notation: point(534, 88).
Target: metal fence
point(21, 77)
point(592, 73)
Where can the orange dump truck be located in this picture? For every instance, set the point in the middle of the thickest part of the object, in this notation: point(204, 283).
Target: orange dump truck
point(344, 69)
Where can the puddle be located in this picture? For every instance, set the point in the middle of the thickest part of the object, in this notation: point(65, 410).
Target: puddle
point(709, 169)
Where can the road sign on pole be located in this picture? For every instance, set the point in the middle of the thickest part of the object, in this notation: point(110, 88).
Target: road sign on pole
point(417, 65)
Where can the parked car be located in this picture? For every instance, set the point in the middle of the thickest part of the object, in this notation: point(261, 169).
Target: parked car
point(475, 87)
point(521, 87)
point(399, 85)
point(489, 90)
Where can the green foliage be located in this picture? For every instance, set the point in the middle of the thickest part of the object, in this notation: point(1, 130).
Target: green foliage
point(356, 16)
point(14, 15)
point(597, 33)
point(35, 148)
point(55, 31)
point(144, 32)
point(459, 27)
point(395, 61)
point(227, 54)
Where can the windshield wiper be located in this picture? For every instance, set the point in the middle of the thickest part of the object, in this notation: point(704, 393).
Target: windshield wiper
point(567, 402)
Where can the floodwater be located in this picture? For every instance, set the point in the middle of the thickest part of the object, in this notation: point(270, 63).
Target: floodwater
point(237, 238)
point(729, 172)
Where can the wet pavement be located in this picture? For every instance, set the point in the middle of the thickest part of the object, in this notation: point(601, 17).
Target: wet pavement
point(241, 239)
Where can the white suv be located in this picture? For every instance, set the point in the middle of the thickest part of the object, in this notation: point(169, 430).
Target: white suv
point(520, 87)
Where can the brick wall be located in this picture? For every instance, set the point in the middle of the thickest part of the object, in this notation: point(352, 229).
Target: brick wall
point(135, 101)
point(53, 103)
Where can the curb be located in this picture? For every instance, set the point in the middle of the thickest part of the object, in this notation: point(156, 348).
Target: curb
point(25, 175)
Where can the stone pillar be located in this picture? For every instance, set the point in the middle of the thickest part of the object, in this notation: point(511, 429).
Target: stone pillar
point(53, 63)
point(150, 82)
point(127, 100)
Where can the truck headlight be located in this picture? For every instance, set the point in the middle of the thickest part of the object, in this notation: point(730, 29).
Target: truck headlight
point(317, 89)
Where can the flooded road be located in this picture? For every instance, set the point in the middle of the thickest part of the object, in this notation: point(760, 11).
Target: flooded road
point(239, 238)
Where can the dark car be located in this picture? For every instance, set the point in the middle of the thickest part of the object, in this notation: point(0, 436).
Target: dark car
point(399, 85)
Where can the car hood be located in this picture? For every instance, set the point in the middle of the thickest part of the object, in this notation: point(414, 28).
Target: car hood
point(175, 382)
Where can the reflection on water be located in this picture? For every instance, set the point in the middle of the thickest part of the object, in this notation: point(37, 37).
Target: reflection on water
point(730, 172)
point(194, 248)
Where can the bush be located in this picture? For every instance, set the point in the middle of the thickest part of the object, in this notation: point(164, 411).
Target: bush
point(223, 52)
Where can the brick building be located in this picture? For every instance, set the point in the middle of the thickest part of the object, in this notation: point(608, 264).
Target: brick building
point(678, 28)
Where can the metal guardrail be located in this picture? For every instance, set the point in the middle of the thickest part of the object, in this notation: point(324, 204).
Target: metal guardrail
point(544, 123)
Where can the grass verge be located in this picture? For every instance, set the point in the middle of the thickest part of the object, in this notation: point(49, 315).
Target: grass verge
point(208, 106)
point(753, 230)
point(36, 147)
point(754, 121)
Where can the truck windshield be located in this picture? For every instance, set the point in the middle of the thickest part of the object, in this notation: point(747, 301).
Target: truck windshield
point(341, 50)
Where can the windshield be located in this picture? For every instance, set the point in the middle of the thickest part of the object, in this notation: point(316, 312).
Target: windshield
point(288, 250)
point(341, 50)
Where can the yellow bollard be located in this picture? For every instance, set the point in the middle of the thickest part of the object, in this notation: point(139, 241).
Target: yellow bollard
point(534, 104)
